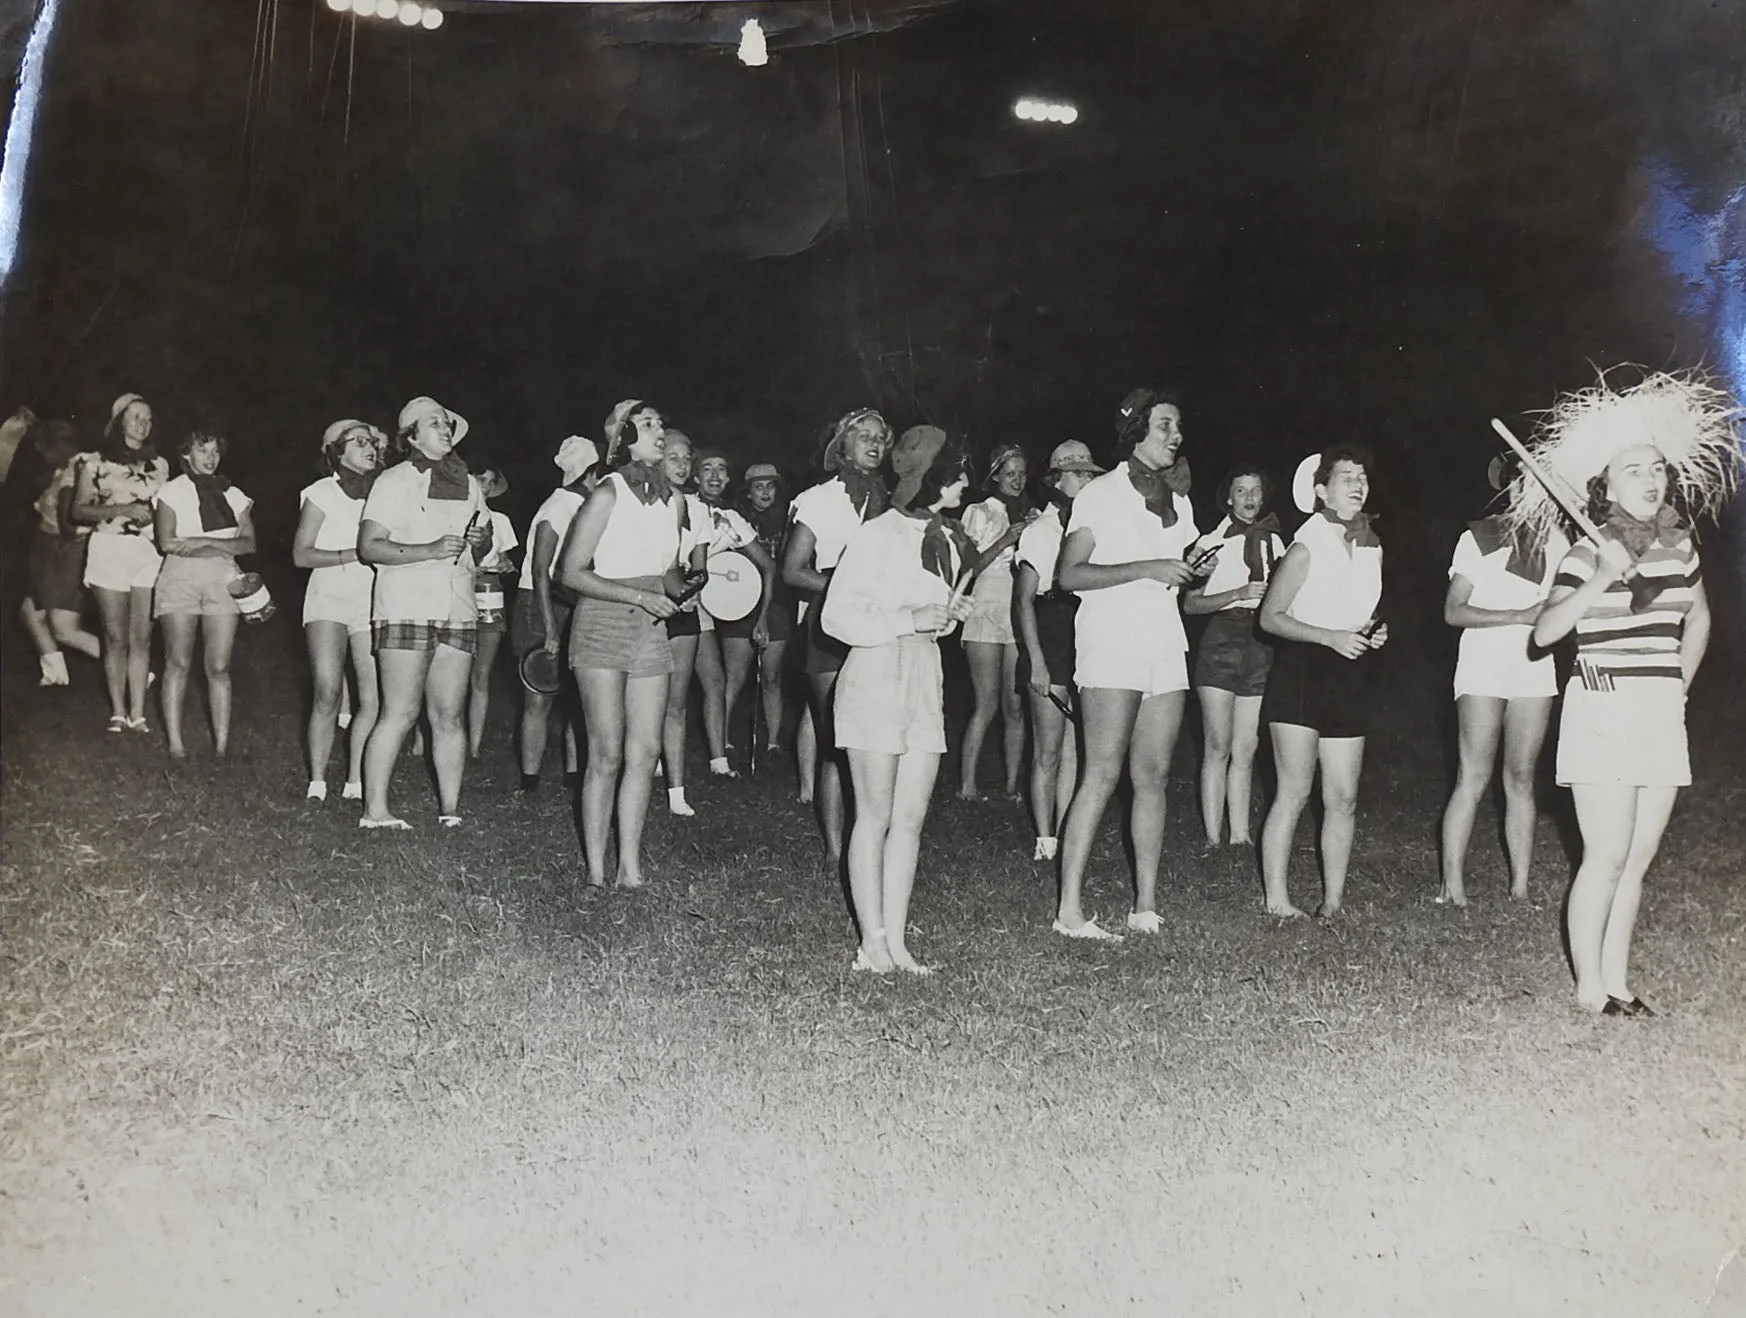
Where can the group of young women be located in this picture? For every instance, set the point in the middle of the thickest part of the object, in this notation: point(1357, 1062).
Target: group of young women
point(1070, 609)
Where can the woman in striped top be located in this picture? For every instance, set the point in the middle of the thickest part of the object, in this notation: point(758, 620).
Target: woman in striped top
point(1636, 602)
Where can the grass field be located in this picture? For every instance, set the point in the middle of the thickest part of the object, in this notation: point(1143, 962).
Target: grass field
point(256, 1062)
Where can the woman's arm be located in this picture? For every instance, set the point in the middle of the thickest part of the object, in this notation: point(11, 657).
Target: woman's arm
point(1457, 612)
point(797, 553)
point(164, 524)
point(1567, 605)
point(1075, 572)
point(766, 565)
point(1277, 621)
point(998, 546)
point(863, 607)
point(1695, 639)
point(576, 566)
point(303, 550)
point(1024, 588)
point(545, 548)
point(378, 547)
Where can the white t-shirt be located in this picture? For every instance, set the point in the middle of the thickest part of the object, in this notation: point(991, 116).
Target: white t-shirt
point(1344, 583)
point(432, 590)
point(1039, 545)
point(640, 539)
point(880, 583)
point(1230, 572)
point(1124, 530)
point(503, 539)
point(827, 511)
point(557, 512)
point(716, 528)
point(183, 499)
point(340, 515)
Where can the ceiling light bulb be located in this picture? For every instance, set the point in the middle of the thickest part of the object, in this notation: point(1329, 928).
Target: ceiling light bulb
point(1069, 114)
point(753, 52)
point(432, 20)
point(387, 8)
point(339, 6)
point(410, 14)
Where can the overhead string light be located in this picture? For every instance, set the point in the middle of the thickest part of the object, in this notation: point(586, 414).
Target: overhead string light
point(754, 53)
point(408, 13)
point(1033, 110)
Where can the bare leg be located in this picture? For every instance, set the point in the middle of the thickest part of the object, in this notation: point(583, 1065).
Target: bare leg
point(806, 755)
point(1294, 760)
point(738, 658)
point(1218, 709)
point(1012, 715)
point(1108, 723)
point(368, 707)
point(1150, 748)
point(603, 720)
point(875, 777)
point(445, 701)
point(645, 706)
point(36, 624)
point(1245, 740)
point(1342, 760)
point(829, 788)
point(770, 675)
point(912, 789)
point(326, 643)
point(713, 683)
point(674, 727)
point(985, 662)
point(479, 690)
point(139, 651)
point(536, 717)
point(180, 629)
point(69, 632)
point(1479, 723)
point(217, 639)
point(112, 613)
point(1524, 733)
point(402, 676)
point(1654, 805)
point(1607, 816)
point(1048, 733)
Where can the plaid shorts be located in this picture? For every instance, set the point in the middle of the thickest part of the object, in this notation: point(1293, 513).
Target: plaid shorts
point(424, 636)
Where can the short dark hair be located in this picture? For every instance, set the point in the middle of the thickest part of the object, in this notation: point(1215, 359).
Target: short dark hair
point(948, 465)
point(46, 437)
point(1244, 469)
point(1134, 417)
point(1337, 453)
point(196, 437)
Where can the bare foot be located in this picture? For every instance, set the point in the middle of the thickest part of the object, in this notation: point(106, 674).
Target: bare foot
point(1451, 897)
point(1327, 910)
point(1286, 912)
point(969, 794)
point(630, 882)
point(1519, 891)
point(901, 958)
point(874, 958)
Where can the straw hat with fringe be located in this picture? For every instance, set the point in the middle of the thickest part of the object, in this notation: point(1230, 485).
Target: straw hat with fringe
point(1687, 417)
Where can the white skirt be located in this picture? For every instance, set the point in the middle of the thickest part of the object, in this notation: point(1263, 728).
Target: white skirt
point(1631, 736)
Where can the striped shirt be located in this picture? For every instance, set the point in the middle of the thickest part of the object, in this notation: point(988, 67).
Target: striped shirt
point(1644, 643)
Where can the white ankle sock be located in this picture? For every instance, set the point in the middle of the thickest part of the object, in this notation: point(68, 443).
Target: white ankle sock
point(317, 790)
point(1047, 849)
point(719, 765)
point(676, 802)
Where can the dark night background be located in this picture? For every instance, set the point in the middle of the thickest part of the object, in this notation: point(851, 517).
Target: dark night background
point(1321, 219)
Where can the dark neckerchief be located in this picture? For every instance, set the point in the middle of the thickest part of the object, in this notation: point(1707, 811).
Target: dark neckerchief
point(866, 491)
point(1490, 534)
point(769, 523)
point(1257, 537)
point(945, 549)
point(448, 476)
point(648, 482)
point(355, 484)
point(1358, 532)
point(1017, 509)
point(216, 514)
point(1667, 529)
point(1154, 486)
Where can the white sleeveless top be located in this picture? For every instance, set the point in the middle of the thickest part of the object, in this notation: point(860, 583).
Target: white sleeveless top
point(640, 539)
point(1344, 582)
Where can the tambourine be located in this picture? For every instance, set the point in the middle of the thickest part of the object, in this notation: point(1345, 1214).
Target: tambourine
point(734, 586)
point(541, 673)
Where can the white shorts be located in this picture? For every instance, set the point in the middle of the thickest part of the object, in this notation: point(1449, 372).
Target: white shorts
point(990, 620)
point(888, 698)
point(1494, 661)
point(1117, 653)
point(1631, 736)
point(335, 595)
point(121, 562)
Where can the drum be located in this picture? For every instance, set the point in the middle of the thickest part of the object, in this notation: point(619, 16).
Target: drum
point(252, 598)
point(734, 586)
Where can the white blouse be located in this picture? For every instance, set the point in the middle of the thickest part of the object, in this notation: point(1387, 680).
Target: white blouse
point(340, 517)
point(1344, 584)
point(880, 582)
point(431, 590)
point(827, 511)
point(183, 499)
point(557, 512)
point(1039, 545)
point(1230, 572)
point(640, 539)
point(1124, 530)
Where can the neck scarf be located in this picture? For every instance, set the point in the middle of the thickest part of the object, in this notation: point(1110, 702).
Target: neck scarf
point(647, 481)
point(448, 475)
point(216, 514)
point(769, 523)
point(1257, 542)
point(945, 549)
point(356, 484)
point(1155, 488)
point(1490, 535)
point(1358, 532)
point(1017, 509)
point(1667, 529)
point(866, 491)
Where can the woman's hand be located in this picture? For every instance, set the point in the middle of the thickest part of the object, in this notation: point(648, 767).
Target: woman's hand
point(1378, 638)
point(1249, 590)
point(656, 604)
point(1040, 681)
point(550, 646)
point(448, 546)
point(931, 619)
point(1170, 572)
point(1612, 559)
point(140, 514)
point(480, 538)
point(1348, 645)
point(761, 632)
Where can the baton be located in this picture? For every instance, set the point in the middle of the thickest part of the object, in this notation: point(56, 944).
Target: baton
point(472, 522)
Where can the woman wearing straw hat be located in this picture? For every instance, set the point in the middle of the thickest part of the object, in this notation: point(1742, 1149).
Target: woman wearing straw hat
point(763, 633)
point(488, 592)
point(543, 605)
point(203, 523)
point(825, 518)
point(1321, 604)
point(113, 493)
point(619, 556)
point(1044, 614)
point(1504, 688)
point(1635, 600)
point(989, 645)
point(1230, 668)
point(891, 597)
point(424, 527)
point(1124, 556)
point(336, 602)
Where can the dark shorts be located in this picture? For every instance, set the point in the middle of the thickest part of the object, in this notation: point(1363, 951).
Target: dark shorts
point(1055, 636)
point(424, 636)
point(1232, 656)
point(781, 620)
point(526, 633)
point(684, 623)
point(620, 637)
point(1313, 687)
point(824, 653)
point(57, 571)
